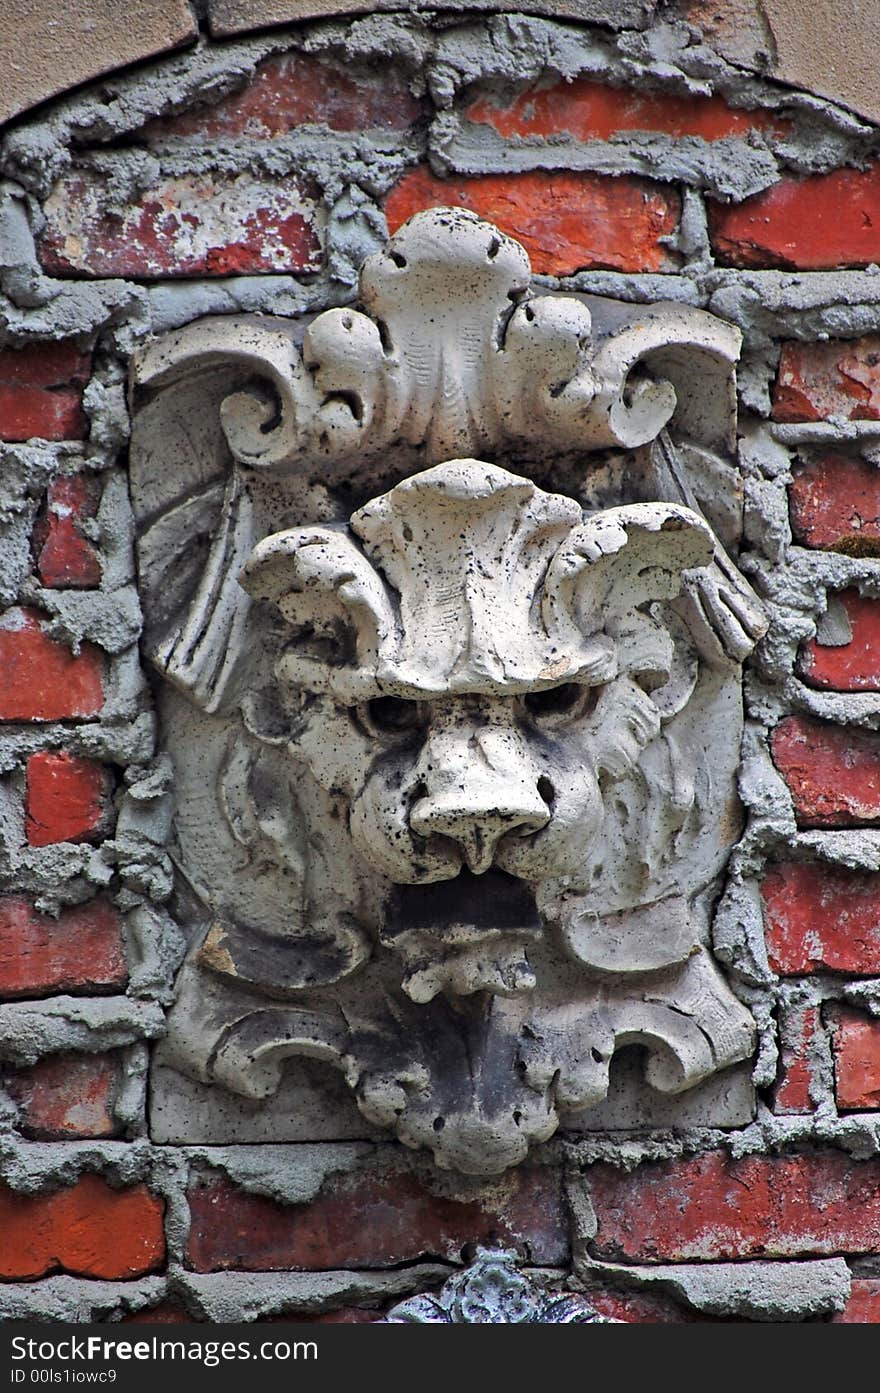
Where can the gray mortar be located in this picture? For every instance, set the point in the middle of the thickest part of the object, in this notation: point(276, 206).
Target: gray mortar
point(751, 1291)
point(31, 1029)
point(730, 168)
point(73, 1300)
point(25, 470)
point(289, 1175)
point(246, 1296)
point(32, 1168)
point(127, 743)
point(155, 948)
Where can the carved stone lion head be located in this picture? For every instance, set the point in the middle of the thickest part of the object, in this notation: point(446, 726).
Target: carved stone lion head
point(455, 767)
point(468, 665)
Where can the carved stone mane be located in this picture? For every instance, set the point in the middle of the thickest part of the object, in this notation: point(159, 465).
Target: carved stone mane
point(474, 742)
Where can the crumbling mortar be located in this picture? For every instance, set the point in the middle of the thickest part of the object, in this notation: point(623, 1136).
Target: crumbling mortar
point(782, 1290)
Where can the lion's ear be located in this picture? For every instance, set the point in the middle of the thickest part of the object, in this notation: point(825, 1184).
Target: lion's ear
point(619, 559)
point(337, 604)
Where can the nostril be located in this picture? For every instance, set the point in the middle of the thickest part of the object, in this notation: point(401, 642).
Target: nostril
point(547, 791)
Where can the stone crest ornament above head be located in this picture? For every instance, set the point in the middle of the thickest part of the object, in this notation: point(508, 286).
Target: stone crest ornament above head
point(443, 602)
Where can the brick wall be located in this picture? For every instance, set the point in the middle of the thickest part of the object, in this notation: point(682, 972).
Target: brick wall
point(255, 175)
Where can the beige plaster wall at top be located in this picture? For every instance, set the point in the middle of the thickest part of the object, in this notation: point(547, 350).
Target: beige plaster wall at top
point(47, 48)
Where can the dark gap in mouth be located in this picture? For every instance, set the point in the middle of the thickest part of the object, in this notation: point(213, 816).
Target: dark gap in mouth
point(494, 900)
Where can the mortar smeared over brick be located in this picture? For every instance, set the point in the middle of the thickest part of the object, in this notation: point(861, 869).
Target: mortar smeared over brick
point(215, 225)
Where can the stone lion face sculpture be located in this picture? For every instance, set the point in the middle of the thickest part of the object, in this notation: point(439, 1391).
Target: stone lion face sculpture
point(455, 771)
point(468, 665)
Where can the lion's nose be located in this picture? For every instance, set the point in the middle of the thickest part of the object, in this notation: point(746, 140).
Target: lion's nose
point(477, 801)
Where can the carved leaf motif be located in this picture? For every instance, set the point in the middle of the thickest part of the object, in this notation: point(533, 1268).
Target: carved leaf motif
point(440, 362)
point(620, 558)
point(328, 590)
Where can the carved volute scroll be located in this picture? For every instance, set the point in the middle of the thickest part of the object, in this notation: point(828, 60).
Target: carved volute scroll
point(442, 599)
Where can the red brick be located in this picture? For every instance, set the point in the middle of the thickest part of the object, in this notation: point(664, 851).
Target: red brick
point(292, 90)
point(88, 1230)
point(853, 666)
point(66, 800)
point(66, 1095)
point(711, 1207)
point(65, 558)
point(589, 110)
point(838, 378)
point(41, 680)
point(792, 1092)
point(208, 225)
point(856, 1040)
point(821, 917)
point(41, 392)
point(564, 221)
point(638, 1308)
point(863, 1307)
point(81, 950)
point(833, 772)
point(369, 1220)
point(835, 505)
point(166, 1313)
point(812, 224)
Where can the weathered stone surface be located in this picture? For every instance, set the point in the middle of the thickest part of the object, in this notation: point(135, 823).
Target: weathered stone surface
point(814, 51)
point(804, 46)
point(238, 16)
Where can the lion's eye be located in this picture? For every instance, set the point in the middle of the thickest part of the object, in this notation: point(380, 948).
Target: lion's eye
point(392, 715)
point(555, 704)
